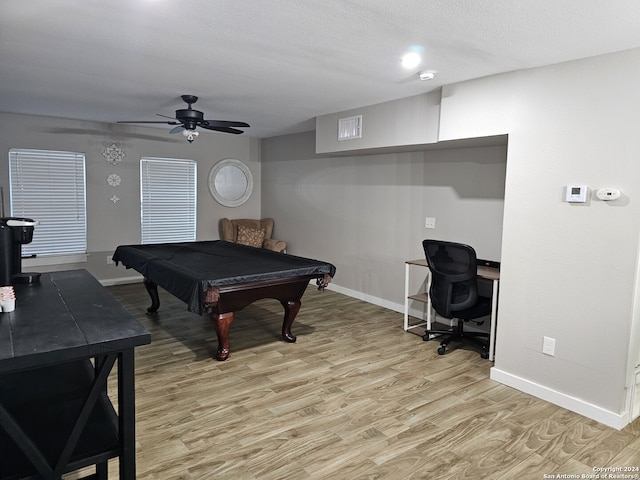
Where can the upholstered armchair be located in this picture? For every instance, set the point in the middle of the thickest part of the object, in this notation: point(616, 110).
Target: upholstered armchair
point(255, 233)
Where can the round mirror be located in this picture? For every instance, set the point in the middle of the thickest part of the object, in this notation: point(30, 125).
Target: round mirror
point(230, 182)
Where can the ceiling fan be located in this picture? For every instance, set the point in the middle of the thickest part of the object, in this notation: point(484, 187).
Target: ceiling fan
point(188, 119)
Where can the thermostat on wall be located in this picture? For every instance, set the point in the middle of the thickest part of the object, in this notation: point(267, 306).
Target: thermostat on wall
point(607, 193)
point(576, 193)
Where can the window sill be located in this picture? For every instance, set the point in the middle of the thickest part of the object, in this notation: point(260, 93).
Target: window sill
point(54, 260)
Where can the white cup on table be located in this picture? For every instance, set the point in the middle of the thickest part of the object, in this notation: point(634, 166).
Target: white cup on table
point(8, 305)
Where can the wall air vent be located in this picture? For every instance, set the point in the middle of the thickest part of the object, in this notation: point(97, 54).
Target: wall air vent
point(349, 128)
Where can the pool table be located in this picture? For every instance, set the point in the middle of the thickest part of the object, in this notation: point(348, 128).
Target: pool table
point(221, 278)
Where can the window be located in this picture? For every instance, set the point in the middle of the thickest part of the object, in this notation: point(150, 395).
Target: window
point(168, 200)
point(49, 186)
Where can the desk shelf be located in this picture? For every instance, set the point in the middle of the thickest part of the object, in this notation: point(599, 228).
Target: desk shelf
point(45, 402)
point(422, 297)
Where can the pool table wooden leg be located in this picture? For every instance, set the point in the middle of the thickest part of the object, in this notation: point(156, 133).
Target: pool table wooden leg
point(222, 322)
point(291, 308)
point(152, 289)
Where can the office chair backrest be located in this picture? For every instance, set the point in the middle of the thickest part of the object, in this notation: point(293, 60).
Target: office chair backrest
point(454, 284)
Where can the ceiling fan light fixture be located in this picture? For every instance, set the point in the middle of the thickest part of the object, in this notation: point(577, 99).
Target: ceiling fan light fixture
point(427, 75)
point(190, 134)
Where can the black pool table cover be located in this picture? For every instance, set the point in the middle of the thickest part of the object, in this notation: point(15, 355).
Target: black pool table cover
point(188, 269)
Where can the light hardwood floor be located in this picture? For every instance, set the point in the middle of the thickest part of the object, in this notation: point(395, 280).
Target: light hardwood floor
point(355, 398)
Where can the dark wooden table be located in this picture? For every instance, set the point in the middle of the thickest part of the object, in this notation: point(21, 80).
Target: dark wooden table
point(56, 351)
point(221, 278)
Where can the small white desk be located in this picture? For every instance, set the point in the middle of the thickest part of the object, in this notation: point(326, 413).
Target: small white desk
point(489, 273)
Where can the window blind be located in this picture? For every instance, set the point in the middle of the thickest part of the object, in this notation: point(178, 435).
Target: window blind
point(49, 186)
point(168, 200)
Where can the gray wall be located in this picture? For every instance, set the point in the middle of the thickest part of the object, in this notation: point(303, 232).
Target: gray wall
point(399, 123)
point(569, 272)
point(365, 214)
point(109, 224)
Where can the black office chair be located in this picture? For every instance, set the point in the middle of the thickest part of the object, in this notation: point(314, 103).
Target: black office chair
point(454, 291)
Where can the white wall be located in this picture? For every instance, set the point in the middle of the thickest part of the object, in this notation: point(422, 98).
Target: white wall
point(109, 224)
point(568, 271)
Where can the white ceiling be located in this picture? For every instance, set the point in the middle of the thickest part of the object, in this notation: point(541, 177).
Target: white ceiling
point(277, 64)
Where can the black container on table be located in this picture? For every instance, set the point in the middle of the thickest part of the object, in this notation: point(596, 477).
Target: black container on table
point(15, 232)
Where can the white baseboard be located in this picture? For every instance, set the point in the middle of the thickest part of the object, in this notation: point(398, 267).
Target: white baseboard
point(110, 282)
point(366, 298)
point(397, 307)
point(606, 417)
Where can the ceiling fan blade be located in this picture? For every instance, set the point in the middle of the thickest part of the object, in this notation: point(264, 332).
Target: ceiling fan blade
point(147, 121)
point(166, 116)
point(223, 129)
point(188, 119)
point(223, 123)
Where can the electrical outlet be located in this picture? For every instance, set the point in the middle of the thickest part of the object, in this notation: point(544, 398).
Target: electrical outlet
point(548, 346)
point(429, 222)
point(109, 260)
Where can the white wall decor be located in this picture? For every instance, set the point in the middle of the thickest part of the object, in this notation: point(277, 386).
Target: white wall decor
point(114, 154)
point(230, 182)
point(114, 180)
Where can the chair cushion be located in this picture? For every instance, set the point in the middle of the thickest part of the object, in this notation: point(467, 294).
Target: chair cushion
point(250, 236)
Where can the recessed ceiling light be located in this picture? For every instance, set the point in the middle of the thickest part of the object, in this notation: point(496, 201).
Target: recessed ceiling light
point(411, 60)
point(427, 75)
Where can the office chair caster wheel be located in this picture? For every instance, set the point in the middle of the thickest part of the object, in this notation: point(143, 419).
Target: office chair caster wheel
point(484, 355)
point(441, 350)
